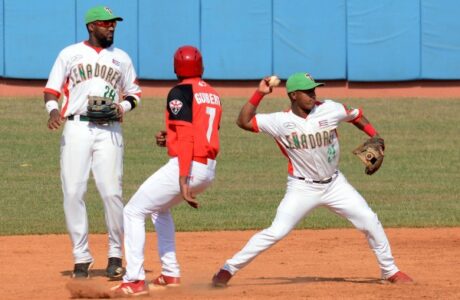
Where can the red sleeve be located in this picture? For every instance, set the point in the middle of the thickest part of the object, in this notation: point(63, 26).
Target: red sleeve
point(185, 148)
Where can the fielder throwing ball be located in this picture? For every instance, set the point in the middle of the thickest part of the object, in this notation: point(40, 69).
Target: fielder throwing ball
point(193, 114)
point(307, 136)
point(98, 85)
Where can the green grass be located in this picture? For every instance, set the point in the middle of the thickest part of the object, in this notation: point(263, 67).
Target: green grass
point(417, 186)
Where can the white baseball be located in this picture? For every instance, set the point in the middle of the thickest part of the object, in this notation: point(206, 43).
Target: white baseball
point(274, 81)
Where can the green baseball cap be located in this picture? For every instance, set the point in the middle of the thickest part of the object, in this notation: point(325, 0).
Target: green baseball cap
point(100, 13)
point(301, 82)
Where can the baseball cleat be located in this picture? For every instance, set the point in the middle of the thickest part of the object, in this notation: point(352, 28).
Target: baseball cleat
point(114, 270)
point(134, 288)
point(400, 277)
point(81, 270)
point(221, 278)
point(164, 281)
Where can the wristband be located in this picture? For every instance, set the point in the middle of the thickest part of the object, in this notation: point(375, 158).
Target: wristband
point(126, 105)
point(369, 130)
point(256, 98)
point(51, 105)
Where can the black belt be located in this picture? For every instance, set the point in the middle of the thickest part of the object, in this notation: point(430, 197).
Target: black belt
point(82, 118)
point(323, 181)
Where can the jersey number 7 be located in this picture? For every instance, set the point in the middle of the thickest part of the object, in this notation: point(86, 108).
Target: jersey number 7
point(211, 111)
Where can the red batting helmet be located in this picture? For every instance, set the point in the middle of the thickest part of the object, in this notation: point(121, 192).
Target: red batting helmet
point(188, 62)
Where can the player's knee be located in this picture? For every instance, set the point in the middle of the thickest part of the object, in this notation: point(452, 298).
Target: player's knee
point(368, 222)
point(278, 232)
point(73, 195)
point(131, 211)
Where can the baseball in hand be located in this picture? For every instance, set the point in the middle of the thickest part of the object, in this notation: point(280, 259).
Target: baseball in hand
point(273, 81)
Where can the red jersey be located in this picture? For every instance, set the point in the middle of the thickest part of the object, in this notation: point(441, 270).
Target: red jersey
point(193, 114)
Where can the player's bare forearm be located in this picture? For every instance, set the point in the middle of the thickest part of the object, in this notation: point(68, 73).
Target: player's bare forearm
point(248, 111)
point(186, 192)
point(160, 138)
point(55, 120)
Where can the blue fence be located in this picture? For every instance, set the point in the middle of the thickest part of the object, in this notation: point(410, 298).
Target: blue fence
point(355, 40)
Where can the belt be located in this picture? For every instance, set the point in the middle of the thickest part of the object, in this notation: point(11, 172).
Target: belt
point(322, 181)
point(78, 118)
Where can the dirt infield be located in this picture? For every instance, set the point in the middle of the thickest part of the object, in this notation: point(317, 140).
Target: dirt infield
point(308, 264)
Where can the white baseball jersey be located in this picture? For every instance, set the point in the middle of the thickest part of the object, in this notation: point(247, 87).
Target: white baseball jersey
point(81, 70)
point(310, 144)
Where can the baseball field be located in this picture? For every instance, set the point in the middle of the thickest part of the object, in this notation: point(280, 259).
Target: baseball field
point(415, 194)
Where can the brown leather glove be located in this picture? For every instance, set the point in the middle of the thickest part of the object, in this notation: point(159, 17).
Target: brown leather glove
point(371, 153)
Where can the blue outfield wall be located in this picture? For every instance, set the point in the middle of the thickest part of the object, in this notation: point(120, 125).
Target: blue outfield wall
point(383, 40)
point(440, 47)
point(2, 42)
point(355, 40)
point(163, 27)
point(32, 40)
point(310, 35)
point(236, 38)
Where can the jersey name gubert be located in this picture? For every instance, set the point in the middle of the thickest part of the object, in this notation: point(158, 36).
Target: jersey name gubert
point(207, 98)
point(83, 72)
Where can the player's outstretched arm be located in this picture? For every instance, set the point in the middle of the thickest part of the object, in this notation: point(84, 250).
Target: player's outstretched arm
point(248, 111)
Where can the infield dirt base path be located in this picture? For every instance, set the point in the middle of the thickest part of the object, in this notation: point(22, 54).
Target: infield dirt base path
point(308, 264)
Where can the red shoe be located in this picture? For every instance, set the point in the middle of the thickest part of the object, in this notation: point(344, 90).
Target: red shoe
point(221, 278)
point(134, 288)
point(400, 277)
point(166, 281)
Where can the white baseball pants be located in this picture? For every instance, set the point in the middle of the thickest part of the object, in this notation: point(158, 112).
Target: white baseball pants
point(300, 199)
point(86, 146)
point(154, 198)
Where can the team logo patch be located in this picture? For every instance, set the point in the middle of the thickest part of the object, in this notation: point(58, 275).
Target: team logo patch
point(115, 62)
point(175, 106)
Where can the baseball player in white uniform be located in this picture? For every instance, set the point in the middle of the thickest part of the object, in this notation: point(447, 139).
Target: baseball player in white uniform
point(307, 136)
point(92, 68)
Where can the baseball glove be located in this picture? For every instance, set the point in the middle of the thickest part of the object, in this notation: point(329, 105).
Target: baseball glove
point(102, 110)
point(371, 153)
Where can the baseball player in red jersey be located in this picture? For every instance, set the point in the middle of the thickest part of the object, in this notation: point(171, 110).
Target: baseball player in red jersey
point(93, 68)
point(193, 114)
point(307, 136)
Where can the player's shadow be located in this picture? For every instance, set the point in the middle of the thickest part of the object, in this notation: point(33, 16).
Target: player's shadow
point(308, 279)
point(92, 272)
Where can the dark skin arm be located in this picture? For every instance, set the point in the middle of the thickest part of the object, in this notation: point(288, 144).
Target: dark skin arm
point(55, 120)
point(186, 192)
point(248, 111)
point(160, 138)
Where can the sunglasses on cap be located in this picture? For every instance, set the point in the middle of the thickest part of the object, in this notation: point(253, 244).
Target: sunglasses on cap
point(105, 24)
